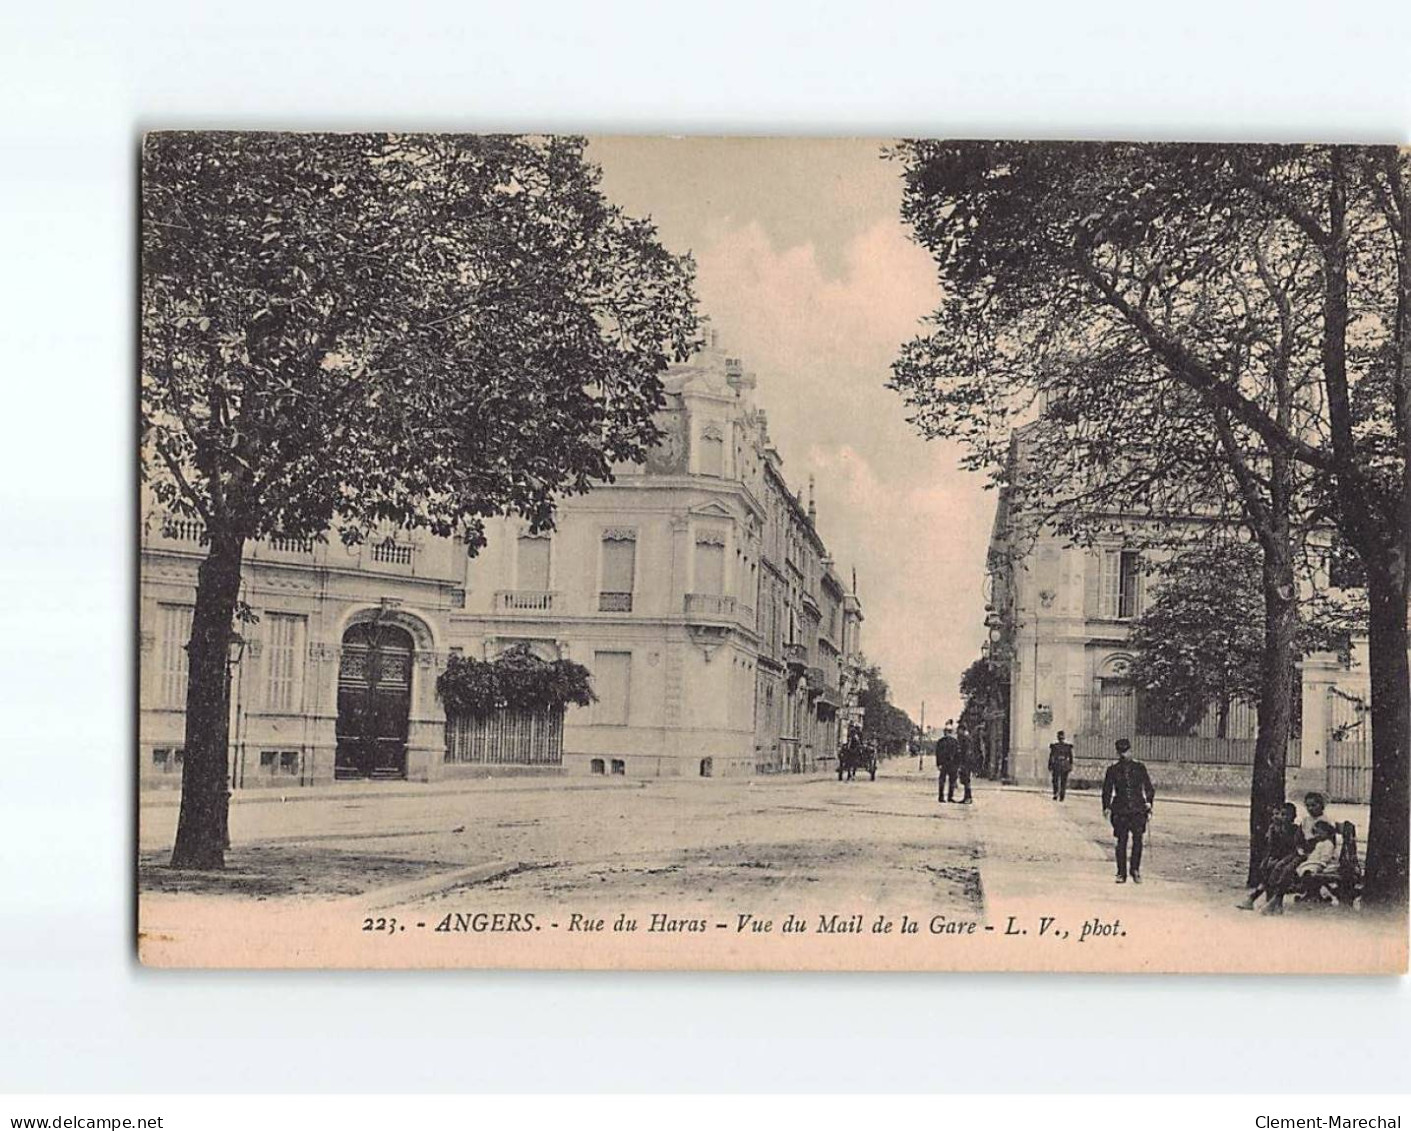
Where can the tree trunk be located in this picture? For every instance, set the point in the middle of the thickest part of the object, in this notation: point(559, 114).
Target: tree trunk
point(1267, 780)
point(205, 792)
point(1387, 833)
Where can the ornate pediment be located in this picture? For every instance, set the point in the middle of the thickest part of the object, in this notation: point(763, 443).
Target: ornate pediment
point(712, 509)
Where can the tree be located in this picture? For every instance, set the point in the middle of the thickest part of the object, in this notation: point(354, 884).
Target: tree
point(1199, 646)
point(342, 333)
point(1178, 318)
point(883, 722)
point(984, 689)
point(1200, 642)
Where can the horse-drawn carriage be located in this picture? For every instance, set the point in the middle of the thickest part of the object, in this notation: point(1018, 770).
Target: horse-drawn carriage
point(857, 755)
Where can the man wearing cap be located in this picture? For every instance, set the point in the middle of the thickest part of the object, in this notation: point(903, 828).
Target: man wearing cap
point(1127, 798)
point(1060, 765)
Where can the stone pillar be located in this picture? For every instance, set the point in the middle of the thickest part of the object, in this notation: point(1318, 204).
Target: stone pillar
point(1319, 674)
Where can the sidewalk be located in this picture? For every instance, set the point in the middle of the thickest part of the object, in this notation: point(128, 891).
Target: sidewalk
point(1037, 848)
point(509, 783)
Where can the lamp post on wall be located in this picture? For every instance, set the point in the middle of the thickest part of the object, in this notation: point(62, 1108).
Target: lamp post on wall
point(235, 652)
point(996, 652)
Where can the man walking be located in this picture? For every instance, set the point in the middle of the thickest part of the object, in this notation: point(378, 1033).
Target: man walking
point(1060, 765)
point(966, 762)
point(947, 761)
point(1127, 798)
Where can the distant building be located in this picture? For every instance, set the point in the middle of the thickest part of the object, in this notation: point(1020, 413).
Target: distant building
point(695, 588)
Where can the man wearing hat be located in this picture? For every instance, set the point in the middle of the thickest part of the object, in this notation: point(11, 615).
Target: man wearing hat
point(1127, 798)
point(1060, 765)
point(947, 761)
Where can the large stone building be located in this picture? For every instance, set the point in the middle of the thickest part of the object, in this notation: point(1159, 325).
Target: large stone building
point(695, 588)
point(1060, 617)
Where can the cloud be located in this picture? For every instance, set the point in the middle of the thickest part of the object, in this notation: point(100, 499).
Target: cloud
point(889, 503)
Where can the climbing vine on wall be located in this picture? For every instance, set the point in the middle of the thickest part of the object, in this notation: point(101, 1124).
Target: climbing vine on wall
point(515, 680)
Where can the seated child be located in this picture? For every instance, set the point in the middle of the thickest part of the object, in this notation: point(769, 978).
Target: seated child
point(1316, 805)
point(1317, 855)
point(1281, 843)
point(1322, 858)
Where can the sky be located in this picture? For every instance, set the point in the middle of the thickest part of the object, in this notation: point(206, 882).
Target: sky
point(806, 270)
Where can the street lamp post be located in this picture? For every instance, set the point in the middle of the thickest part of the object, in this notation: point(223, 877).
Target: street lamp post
point(235, 652)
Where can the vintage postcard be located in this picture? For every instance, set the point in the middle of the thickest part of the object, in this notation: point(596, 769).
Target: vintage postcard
point(769, 554)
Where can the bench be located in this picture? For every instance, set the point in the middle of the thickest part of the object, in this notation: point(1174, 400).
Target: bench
point(1345, 884)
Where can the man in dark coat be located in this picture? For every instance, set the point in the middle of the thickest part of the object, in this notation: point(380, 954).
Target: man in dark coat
point(1127, 798)
point(966, 762)
point(947, 762)
point(1060, 765)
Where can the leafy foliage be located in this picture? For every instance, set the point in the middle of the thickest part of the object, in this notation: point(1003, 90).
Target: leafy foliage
point(515, 680)
point(982, 690)
point(883, 722)
point(1200, 643)
point(359, 329)
point(1173, 338)
point(351, 332)
point(1126, 304)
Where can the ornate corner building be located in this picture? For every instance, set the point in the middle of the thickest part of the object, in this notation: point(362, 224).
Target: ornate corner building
point(695, 588)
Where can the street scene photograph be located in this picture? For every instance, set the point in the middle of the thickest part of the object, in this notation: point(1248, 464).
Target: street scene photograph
point(772, 554)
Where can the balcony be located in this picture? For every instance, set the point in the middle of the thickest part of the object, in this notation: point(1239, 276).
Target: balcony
point(176, 528)
point(524, 601)
point(391, 552)
point(796, 656)
point(709, 606)
point(614, 602)
point(284, 544)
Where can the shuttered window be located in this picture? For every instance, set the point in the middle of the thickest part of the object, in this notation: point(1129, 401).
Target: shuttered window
point(533, 572)
point(710, 568)
point(619, 565)
point(712, 456)
point(283, 665)
point(612, 679)
point(175, 623)
point(1109, 583)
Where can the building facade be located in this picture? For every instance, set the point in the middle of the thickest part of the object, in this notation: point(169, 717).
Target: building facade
point(695, 588)
point(1060, 617)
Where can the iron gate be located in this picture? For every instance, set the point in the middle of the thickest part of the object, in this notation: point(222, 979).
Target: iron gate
point(1349, 748)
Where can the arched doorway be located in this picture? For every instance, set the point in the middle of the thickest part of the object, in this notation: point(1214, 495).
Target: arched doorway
point(374, 701)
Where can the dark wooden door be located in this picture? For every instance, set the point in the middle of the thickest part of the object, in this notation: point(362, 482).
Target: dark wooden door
point(374, 702)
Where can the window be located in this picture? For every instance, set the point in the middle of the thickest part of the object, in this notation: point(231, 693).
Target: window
point(597, 766)
point(533, 567)
point(279, 763)
point(1129, 585)
point(175, 623)
point(167, 759)
point(619, 766)
point(1120, 584)
point(710, 565)
point(619, 573)
point(712, 452)
point(612, 678)
point(284, 668)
